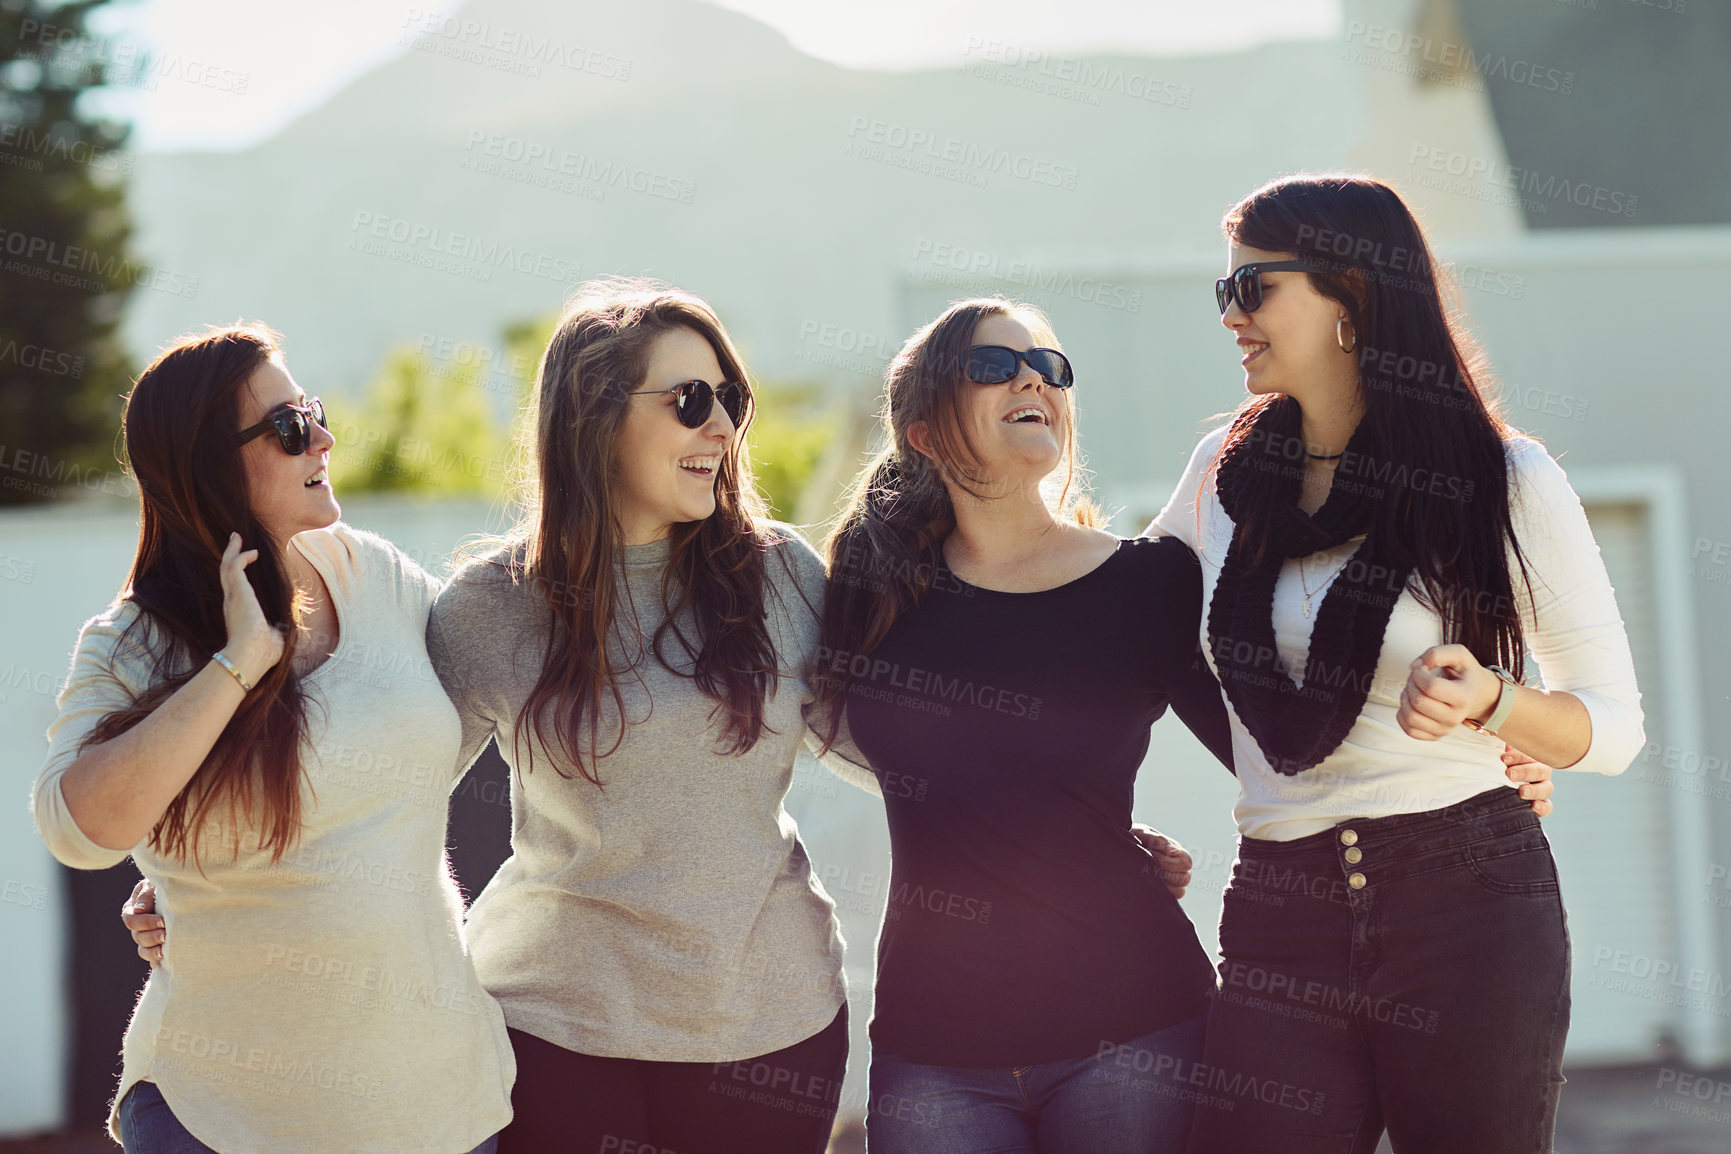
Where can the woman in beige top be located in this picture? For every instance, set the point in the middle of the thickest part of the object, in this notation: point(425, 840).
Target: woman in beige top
point(260, 729)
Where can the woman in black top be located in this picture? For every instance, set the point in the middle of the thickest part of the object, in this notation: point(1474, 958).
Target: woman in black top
point(999, 661)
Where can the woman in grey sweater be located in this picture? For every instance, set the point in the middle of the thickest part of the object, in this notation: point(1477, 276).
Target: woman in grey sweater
point(670, 971)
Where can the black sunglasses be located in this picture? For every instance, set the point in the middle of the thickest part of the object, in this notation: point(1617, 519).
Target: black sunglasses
point(1245, 283)
point(995, 364)
point(292, 425)
point(693, 401)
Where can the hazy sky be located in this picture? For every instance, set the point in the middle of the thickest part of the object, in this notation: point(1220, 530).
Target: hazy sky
point(231, 72)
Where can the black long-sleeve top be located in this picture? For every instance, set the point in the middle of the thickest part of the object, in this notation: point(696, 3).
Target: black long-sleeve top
point(1025, 923)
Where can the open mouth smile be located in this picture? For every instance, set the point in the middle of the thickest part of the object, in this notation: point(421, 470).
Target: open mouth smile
point(700, 466)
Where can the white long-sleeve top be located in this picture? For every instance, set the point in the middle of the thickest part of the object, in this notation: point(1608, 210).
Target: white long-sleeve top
point(326, 1001)
point(1571, 626)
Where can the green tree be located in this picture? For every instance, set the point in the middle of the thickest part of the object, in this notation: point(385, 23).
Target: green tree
point(789, 434)
point(525, 341)
point(421, 427)
point(65, 272)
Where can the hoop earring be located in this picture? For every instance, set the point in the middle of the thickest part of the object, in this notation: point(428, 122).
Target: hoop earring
point(1340, 337)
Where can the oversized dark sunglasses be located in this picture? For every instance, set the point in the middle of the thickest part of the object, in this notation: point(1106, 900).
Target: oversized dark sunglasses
point(693, 401)
point(995, 364)
point(1245, 283)
point(293, 425)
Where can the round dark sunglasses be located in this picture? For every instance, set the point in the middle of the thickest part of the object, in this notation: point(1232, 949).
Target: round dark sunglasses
point(995, 364)
point(293, 425)
point(1245, 283)
point(693, 401)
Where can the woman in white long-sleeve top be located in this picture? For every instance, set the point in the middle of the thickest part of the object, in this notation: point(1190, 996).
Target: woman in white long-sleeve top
point(1379, 549)
point(255, 722)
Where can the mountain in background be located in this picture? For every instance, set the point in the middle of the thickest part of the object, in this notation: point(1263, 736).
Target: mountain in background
point(525, 145)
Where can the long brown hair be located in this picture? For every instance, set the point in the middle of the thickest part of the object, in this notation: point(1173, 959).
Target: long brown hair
point(887, 549)
point(568, 538)
point(179, 426)
point(1423, 384)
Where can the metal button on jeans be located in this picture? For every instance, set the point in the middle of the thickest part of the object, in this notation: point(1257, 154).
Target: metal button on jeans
point(1348, 837)
point(1353, 856)
point(1356, 881)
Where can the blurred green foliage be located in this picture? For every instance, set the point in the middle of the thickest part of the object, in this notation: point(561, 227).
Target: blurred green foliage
point(792, 427)
point(421, 427)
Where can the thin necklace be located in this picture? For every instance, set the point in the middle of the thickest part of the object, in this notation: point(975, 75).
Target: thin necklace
point(1308, 591)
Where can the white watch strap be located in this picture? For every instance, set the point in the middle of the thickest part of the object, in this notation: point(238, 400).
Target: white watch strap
point(1505, 706)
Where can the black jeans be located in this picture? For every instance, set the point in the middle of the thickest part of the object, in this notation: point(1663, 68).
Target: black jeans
point(780, 1103)
point(1408, 972)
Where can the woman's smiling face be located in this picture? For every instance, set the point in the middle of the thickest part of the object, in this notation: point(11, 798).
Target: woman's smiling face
point(666, 472)
point(289, 494)
point(1289, 339)
point(1017, 428)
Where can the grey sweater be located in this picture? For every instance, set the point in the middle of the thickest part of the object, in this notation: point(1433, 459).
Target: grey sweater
point(671, 915)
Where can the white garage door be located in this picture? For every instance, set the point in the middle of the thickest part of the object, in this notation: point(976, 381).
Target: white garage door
point(1611, 838)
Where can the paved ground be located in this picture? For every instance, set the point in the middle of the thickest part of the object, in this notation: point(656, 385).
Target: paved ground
point(1645, 1110)
point(1639, 1110)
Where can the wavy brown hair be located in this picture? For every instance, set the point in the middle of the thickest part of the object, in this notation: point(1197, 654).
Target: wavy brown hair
point(887, 549)
point(569, 539)
point(179, 426)
point(1423, 383)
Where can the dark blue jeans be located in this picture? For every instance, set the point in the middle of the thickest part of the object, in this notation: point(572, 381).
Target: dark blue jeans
point(1407, 972)
point(148, 1126)
point(1129, 1098)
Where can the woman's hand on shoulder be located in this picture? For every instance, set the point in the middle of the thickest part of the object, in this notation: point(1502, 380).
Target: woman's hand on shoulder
point(149, 930)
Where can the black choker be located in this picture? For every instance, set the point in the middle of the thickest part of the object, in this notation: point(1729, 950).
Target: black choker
point(1320, 457)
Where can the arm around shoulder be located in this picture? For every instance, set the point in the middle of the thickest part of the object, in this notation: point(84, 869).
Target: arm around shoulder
point(798, 564)
point(1175, 636)
point(1181, 515)
point(843, 758)
point(463, 631)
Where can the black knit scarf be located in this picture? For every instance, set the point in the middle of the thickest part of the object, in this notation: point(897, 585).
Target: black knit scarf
point(1299, 726)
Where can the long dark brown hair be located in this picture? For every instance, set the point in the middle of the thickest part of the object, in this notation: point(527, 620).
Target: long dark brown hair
point(886, 551)
point(1423, 383)
point(181, 417)
point(568, 538)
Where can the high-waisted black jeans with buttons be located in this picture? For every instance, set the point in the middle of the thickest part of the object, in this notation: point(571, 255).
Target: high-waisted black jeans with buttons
point(1407, 972)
